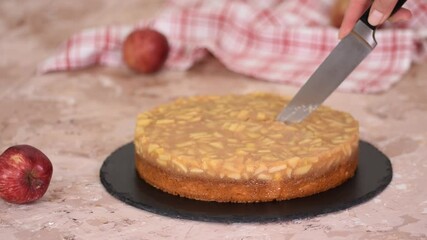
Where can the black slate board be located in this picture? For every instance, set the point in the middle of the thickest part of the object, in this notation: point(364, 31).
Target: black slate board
point(120, 179)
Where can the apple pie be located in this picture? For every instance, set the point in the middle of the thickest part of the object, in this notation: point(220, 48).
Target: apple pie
point(231, 149)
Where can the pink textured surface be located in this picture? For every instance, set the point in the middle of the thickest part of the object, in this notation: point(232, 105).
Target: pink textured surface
point(78, 118)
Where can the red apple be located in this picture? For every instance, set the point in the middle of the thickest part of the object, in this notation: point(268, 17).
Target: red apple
point(25, 174)
point(145, 50)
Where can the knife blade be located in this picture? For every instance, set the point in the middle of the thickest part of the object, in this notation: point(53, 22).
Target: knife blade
point(343, 59)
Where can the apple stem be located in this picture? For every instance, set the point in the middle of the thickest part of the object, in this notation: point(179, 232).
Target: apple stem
point(34, 182)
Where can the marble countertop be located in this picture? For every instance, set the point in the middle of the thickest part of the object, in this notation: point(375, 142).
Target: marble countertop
point(79, 118)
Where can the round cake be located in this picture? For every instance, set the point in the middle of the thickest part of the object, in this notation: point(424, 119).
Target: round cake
point(231, 149)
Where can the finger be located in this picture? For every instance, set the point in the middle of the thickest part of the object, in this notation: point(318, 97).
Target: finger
point(380, 11)
point(354, 11)
point(402, 15)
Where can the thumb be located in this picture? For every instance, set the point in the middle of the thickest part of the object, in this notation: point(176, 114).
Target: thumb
point(380, 11)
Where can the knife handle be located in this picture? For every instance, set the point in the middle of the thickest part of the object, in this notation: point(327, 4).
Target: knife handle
point(364, 17)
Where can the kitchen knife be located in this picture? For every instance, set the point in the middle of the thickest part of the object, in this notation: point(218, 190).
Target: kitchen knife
point(343, 59)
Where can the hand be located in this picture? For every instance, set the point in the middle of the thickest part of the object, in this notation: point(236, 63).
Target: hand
point(380, 12)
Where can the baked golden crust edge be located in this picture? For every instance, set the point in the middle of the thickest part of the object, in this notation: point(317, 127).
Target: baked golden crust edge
point(244, 191)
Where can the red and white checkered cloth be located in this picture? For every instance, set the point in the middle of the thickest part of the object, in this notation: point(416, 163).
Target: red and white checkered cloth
point(276, 40)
